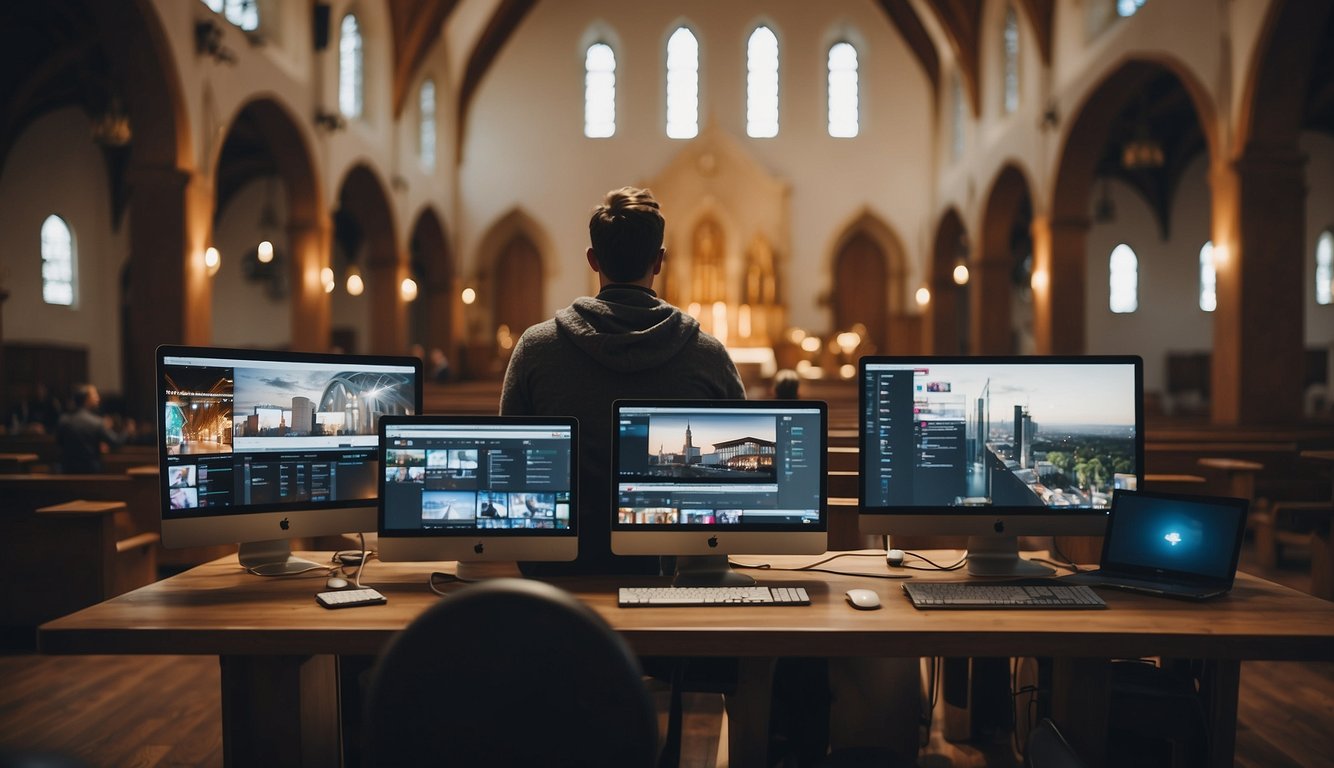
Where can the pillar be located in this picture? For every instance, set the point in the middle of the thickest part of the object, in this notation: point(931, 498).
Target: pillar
point(1060, 248)
point(388, 313)
point(990, 288)
point(310, 243)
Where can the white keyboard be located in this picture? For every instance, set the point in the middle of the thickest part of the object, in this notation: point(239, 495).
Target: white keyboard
point(636, 597)
point(350, 598)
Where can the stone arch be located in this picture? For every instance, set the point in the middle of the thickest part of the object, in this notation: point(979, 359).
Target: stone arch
point(948, 314)
point(514, 266)
point(363, 199)
point(264, 138)
point(869, 273)
point(1059, 269)
point(998, 274)
point(432, 264)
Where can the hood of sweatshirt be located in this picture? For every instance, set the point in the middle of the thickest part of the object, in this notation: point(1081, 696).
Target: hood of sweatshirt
point(627, 328)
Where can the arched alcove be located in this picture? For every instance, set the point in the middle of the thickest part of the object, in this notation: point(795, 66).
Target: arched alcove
point(365, 245)
point(948, 309)
point(1002, 297)
point(432, 313)
point(868, 281)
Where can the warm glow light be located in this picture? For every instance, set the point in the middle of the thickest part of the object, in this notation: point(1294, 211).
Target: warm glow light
point(354, 284)
point(1221, 255)
point(720, 321)
point(811, 344)
point(212, 261)
point(743, 321)
point(327, 279)
point(264, 252)
point(1039, 280)
point(804, 366)
point(693, 309)
point(923, 296)
point(408, 289)
point(796, 335)
point(469, 296)
point(847, 371)
point(961, 274)
point(848, 341)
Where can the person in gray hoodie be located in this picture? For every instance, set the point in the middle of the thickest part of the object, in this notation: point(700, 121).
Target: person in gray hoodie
point(623, 343)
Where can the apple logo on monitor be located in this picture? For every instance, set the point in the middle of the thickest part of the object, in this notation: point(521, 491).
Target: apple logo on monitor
point(713, 541)
point(478, 547)
point(283, 524)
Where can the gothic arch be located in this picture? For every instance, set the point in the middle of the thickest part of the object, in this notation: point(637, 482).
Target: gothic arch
point(948, 327)
point(432, 264)
point(362, 197)
point(1006, 223)
point(1060, 247)
point(513, 269)
point(869, 271)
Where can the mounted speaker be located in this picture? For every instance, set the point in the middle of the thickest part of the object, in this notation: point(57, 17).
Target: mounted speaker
point(320, 25)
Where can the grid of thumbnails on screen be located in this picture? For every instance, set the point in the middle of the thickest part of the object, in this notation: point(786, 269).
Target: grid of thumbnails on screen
point(258, 435)
point(704, 464)
point(462, 475)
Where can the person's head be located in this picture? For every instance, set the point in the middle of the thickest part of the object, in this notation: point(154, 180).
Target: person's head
point(625, 234)
point(786, 384)
point(85, 396)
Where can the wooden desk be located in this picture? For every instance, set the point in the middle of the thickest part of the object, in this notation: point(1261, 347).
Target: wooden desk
point(278, 648)
point(11, 463)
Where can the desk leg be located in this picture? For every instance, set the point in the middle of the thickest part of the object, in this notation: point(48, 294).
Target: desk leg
point(748, 713)
point(280, 710)
point(1219, 687)
point(1081, 704)
point(1322, 560)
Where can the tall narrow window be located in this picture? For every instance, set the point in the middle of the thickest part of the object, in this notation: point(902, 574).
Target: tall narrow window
point(843, 107)
point(1126, 8)
point(600, 91)
point(682, 85)
point(242, 13)
point(1011, 100)
point(762, 84)
point(957, 117)
point(1324, 268)
point(350, 61)
point(57, 262)
point(1208, 278)
point(426, 134)
point(1124, 273)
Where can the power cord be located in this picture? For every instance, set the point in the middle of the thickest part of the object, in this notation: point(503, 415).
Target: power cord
point(934, 565)
point(813, 566)
point(1065, 561)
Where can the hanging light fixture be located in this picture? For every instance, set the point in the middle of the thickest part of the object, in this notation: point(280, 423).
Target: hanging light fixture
point(112, 127)
point(1143, 152)
point(354, 282)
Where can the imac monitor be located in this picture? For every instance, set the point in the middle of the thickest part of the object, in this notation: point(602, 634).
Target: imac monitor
point(258, 447)
point(471, 488)
point(997, 447)
point(705, 479)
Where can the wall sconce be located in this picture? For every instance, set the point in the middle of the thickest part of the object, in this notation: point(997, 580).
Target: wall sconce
point(208, 40)
point(408, 289)
point(1040, 280)
point(923, 296)
point(212, 260)
point(468, 296)
point(354, 283)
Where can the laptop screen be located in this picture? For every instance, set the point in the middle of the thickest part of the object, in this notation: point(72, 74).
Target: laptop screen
point(1193, 536)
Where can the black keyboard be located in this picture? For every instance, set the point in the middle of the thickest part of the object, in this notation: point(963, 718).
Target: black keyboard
point(955, 594)
point(648, 597)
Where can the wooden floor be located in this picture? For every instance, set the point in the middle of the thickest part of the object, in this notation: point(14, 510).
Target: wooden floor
point(164, 711)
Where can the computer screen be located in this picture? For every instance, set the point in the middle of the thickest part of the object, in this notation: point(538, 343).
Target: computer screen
point(718, 477)
point(997, 446)
point(479, 488)
point(262, 446)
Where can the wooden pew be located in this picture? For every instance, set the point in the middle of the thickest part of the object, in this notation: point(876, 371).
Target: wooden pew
point(31, 491)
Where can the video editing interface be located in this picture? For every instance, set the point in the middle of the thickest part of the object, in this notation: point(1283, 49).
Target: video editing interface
point(244, 435)
point(1034, 434)
point(466, 477)
point(719, 466)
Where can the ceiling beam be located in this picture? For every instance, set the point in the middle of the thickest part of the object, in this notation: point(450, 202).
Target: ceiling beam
point(962, 22)
point(416, 26)
point(503, 22)
point(909, 25)
point(1041, 14)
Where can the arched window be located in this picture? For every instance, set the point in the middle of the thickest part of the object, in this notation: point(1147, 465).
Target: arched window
point(1324, 268)
point(762, 84)
point(57, 262)
point(1011, 84)
point(1125, 8)
point(682, 85)
point(350, 62)
point(1208, 278)
point(843, 107)
point(242, 13)
point(426, 135)
point(956, 117)
point(600, 91)
point(1124, 273)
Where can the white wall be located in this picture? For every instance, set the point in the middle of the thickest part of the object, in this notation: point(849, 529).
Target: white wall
point(55, 168)
point(244, 312)
point(524, 143)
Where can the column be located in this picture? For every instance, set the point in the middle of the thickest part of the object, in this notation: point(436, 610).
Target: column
point(310, 244)
point(989, 279)
point(1060, 253)
point(388, 333)
point(1259, 211)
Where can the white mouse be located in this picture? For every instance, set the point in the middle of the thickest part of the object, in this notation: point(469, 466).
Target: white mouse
point(864, 599)
point(336, 582)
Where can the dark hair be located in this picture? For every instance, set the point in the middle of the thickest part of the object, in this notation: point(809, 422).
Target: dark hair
point(786, 384)
point(82, 393)
point(626, 233)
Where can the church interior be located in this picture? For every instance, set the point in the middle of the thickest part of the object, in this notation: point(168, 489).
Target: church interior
point(838, 179)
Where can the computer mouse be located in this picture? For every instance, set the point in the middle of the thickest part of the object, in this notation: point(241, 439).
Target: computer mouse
point(894, 558)
point(864, 599)
point(336, 582)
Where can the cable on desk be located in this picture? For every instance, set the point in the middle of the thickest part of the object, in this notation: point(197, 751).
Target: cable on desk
point(934, 565)
point(445, 578)
point(812, 566)
point(1056, 550)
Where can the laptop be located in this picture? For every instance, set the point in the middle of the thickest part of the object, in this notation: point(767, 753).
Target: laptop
point(1170, 544)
